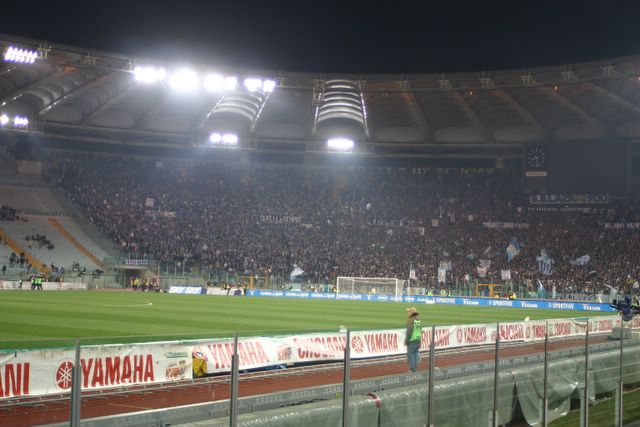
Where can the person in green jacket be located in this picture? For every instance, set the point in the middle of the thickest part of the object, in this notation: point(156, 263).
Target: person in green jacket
point(413, 337)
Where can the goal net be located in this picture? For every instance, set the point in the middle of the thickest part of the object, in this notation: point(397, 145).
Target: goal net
point(370, 285)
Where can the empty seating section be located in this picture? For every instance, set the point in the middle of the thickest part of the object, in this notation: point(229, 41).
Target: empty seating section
point(63, 254)
point(29, 199)
point(82, 238)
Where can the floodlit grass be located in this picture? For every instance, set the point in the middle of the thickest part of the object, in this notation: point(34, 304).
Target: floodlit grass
point(602, 414)
point(31, 319)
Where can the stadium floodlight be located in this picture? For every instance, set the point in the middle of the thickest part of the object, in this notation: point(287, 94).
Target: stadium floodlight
point(230, 139)
point(230, 83)
point(22, 56)
point(4, 119)
point(252, 84)
point(268, 86)
point(217, 138)
point(149, 74)
point(218, 83)
point(340, 144)
point(20, 122)
point(214, 82)
point(184, 80)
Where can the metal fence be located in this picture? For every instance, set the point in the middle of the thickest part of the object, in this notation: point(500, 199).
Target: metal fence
point(590, 379)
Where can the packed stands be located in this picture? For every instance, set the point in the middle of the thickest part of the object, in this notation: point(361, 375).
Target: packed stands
point(352, 221)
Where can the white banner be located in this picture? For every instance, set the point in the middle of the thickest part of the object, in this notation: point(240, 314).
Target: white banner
point(47, 286)
point(505, 274)
point(38, 372)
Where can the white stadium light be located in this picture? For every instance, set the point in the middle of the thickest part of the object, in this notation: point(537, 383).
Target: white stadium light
point(19, 121)
point(217, 82)
point(22, 56)
point(217, 138)
point(252, 84)
point(340, 144)
point(268, 86)
point(230, 83)
point(184, 81)
point(214, 82)
point(4, 119)
point(149, 74)
point(230, 139)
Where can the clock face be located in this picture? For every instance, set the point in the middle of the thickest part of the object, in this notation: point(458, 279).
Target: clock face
point(536, 158)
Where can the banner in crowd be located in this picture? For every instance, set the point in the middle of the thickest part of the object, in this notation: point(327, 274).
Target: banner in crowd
point(569, 199)
point(280, 219)
point(505, 274)
point(621, 225)
point(505, 225)
point(136, 262)
point(38, 372)
point(587, 210)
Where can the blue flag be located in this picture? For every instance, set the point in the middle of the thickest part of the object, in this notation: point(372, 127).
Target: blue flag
point(545, 263)
point(513, 249)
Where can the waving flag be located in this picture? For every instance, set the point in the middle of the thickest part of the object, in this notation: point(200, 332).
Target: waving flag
point(583, 260)
point(545, 263)
point(297, 271)
point(513, 249)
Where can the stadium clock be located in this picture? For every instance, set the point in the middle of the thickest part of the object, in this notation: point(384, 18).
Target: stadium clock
point(536, 158)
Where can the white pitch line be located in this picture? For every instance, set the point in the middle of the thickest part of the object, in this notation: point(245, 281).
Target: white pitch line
point(144, 304)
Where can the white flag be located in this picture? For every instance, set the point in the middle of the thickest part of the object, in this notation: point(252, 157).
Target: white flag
point(505, 274)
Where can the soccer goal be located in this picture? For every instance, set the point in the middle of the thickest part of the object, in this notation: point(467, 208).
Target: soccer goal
point(370, 285)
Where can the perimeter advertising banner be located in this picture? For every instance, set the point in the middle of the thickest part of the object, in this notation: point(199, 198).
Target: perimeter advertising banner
point(304, 348)
point(39, 372)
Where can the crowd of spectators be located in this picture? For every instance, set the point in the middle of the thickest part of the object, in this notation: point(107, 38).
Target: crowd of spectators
point(353, 221)
point(7, 213)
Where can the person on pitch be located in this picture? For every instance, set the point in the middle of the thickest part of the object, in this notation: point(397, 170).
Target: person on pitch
point(413, 337)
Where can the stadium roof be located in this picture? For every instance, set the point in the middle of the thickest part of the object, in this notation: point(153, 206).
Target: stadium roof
point(71, 92)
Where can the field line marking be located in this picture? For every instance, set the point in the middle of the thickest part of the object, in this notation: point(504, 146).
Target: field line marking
point(142, 304)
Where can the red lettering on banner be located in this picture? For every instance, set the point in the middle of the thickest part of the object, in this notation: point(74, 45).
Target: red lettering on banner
point(98, 375)
point(148, 369)
point(86, 371)
point(381, 343)
point(112, 370)
point(252, 353)
point(138, 367)
point(605, 325)
point(538, 331)
point(442, 338)
point(116, 370)
point(475, 334)
point(126, 370)
point(510, 332)
point(16, 380)
point(562, 329)
point(317, 347)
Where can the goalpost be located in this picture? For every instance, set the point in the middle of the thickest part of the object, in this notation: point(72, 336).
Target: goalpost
point(370, 285)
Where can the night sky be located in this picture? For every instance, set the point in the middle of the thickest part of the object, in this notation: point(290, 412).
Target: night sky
point(340, 36)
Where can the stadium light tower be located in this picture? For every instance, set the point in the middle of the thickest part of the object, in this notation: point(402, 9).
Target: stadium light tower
point(184, 80)
point(4, 119)
point(21, 56)
point(340, 144)
point(252, 84)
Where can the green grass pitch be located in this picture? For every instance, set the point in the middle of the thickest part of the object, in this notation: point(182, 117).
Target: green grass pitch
point(34, 319)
